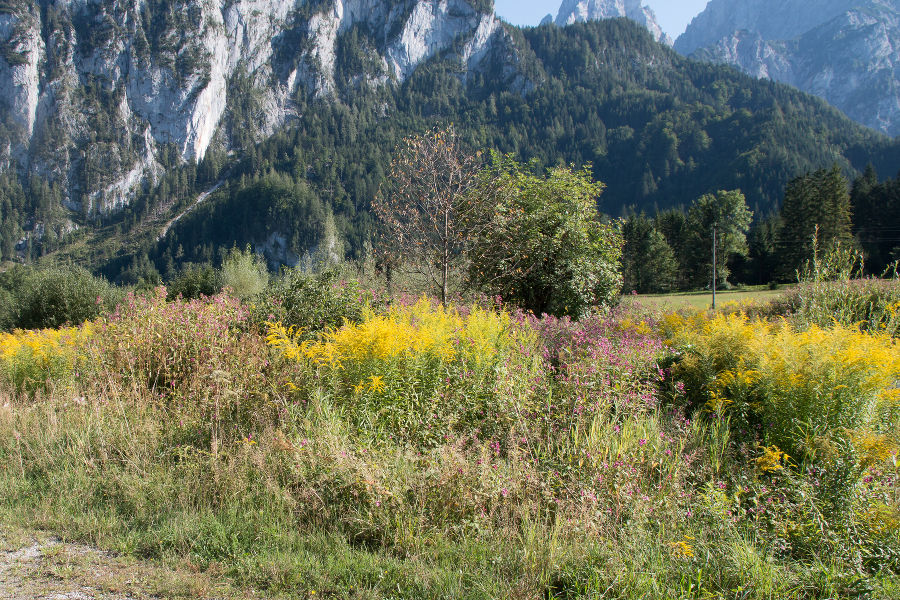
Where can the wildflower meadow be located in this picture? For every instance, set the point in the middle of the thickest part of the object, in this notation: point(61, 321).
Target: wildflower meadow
point(399, 448)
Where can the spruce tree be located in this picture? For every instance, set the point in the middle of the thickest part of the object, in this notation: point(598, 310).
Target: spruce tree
point(816, 205)
point(648, 262)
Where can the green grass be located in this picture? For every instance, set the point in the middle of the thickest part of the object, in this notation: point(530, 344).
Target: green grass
point(187, 440)
point(703, 299)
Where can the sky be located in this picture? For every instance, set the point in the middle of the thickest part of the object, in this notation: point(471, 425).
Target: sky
point(673, 15)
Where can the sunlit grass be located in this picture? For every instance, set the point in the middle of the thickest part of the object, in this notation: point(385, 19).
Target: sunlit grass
point(465, 452)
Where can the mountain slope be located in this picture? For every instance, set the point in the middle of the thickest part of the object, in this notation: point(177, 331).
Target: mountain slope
point(93, 90)
point(846, 51)
point(659, 130)
point(316, 103)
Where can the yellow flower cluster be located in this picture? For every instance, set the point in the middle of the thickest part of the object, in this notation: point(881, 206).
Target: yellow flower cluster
point(417, 330)
point(826, 362)
point(873, 448)
point(771, 459)
point(42, 344)
point(684, 548)
point(32, 357)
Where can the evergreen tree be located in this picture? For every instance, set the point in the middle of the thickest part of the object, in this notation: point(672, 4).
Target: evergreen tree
point(815, 205)
point(648, 262)
point(673, 225)
point(876, 219)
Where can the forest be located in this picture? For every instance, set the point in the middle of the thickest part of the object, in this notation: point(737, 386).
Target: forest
point(658, 130)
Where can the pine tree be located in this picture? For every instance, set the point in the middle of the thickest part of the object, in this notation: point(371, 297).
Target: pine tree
point(648, 262)
point(815, 205)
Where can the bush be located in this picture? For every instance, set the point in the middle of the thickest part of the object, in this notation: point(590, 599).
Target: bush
point(195, 281)
point(313, 303)
point(57, 296)
point(831, 289)
point(546, 247)
point(244, 273)
point(8, 310)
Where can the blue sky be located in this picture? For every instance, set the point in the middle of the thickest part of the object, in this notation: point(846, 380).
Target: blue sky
point(673, 15)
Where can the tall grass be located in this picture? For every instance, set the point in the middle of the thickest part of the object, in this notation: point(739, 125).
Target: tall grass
point(419, 451)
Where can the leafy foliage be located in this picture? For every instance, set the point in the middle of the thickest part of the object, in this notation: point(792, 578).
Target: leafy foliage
point(195, 281)
point(52, 297)
point(727, 213)
point(546, 248)
point(244, 273)
point(309, 304)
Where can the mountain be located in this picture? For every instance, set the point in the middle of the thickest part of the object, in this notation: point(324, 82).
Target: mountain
point(93, 91)
point(580, 11)
point(845, 51)
point(140, 135)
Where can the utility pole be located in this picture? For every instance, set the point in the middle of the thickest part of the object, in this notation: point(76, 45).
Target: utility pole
point(715, 225)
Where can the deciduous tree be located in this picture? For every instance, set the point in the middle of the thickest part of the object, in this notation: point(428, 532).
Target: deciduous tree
point(546, 247)
point(726, 211)
point(426, 207)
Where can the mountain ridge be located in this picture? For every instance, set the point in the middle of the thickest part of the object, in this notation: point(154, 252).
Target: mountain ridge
point(315, 99)
point(167, 70)
point(846, 51)
point(580, 11)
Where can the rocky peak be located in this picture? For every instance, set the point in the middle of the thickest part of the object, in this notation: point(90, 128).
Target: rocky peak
point(575, 11)
point(91, 90)
point(845, 51)
point(770, 19)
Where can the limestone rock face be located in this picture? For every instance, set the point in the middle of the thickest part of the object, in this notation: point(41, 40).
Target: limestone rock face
point(575, 11)
point(771, 19)
point(845, 51)
point(93, 93)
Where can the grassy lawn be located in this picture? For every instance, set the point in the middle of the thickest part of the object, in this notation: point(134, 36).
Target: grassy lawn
point(703, 299)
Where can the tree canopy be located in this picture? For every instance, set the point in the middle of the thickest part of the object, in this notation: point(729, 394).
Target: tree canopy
point(547, 247)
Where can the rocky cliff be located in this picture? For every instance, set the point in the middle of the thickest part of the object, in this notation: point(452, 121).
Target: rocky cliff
point(845, 51)
point(579, 11)
point(97, 95)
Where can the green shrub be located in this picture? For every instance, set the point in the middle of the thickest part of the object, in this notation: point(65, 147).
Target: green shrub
point(8, 310)
point(244, 273)
point(314, 303)
point(57, 296)
point(195, 281)
point(832, 289)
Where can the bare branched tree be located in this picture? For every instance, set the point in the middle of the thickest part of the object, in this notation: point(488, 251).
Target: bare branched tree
point(427, 207)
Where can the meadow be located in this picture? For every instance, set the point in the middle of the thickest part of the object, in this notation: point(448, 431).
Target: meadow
point(703, 300)
point(324, 440)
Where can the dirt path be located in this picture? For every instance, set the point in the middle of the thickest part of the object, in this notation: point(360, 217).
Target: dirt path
point(37, 566)
point(193, 205)
point(49, 569)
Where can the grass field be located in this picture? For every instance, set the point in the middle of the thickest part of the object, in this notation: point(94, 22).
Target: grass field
point(703, 300)
point(214, 448)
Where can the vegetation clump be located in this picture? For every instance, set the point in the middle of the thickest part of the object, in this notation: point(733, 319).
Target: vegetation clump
point(462, 450)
